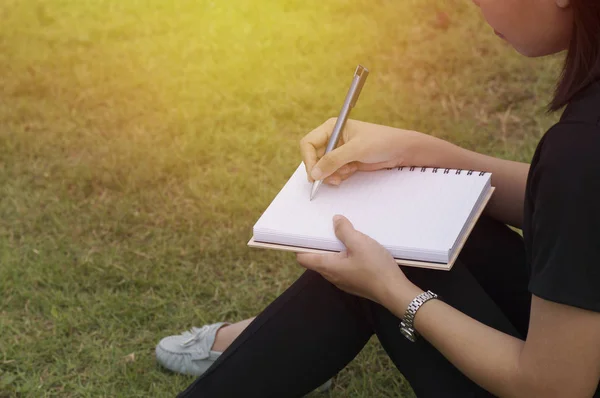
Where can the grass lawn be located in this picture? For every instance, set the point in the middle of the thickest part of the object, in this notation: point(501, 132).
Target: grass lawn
point(140, 141)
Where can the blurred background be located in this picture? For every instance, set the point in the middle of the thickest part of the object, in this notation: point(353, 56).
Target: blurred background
point(141, 140)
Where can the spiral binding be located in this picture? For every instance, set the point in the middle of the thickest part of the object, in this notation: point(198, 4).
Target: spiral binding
point(435, 170)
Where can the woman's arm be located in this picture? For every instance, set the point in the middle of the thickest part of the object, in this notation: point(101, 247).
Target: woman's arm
point(368, 147)
point(561, 357)
point(509, 178)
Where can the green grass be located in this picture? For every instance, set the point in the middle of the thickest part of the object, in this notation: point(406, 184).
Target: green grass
point(140, 141)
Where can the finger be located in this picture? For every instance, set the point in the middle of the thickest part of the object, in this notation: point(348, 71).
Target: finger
point(311, 261)
point(342, 174)
point(320, 152)
point(329, 266)
point(347, 169)
point(334, 179)
point(335, 159)
point(313, 145)
point(344, 230)
point(345, 177)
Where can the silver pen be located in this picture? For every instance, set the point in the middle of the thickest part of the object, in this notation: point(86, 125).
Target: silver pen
point(358, 81)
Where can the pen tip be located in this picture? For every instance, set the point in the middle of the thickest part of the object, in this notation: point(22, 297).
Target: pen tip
point(314, 189)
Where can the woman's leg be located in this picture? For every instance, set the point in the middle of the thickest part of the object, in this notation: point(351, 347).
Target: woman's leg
point(495, 255)
point(298, 342)
point(502, 274)
point(227, 334)
point(314, 329)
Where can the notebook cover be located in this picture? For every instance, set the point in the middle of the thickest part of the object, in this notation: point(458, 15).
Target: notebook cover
point(410, 263)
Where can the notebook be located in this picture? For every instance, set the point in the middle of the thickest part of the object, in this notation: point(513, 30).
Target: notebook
point(421, 215)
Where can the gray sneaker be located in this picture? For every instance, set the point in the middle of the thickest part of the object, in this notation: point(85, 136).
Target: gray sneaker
point(191, 352)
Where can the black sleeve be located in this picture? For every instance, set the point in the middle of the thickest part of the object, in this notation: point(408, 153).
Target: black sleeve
point(565, 227)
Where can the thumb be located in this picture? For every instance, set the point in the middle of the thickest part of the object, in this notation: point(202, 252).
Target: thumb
point(333, 160)
point(345, 231)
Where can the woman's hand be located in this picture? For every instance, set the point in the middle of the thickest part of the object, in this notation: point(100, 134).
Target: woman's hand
point(364, 269)
point(365, 147)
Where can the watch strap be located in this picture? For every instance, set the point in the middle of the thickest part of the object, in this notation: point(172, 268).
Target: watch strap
point(407, 324)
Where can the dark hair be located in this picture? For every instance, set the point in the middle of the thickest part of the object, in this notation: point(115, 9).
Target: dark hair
point(582, 64)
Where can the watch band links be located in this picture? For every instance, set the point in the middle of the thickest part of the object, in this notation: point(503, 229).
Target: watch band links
point(407, 325)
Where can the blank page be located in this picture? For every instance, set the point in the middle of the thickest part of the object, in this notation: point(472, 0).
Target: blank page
point(416, 213)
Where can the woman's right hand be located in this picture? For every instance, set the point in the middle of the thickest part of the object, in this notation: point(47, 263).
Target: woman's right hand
point(362, 147)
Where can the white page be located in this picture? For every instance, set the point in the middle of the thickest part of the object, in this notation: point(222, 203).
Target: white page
point(416, 215)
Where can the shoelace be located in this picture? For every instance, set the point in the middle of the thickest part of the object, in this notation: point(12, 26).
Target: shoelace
point(196, 335)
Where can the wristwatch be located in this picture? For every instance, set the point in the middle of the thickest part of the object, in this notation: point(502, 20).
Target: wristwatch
point(407, 325)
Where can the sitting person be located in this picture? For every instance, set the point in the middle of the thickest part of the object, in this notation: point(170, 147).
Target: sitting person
point(515, 317)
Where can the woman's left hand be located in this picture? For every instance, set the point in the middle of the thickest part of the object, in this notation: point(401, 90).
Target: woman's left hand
point(364, 269)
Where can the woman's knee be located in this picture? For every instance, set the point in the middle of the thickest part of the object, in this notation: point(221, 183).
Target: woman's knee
point(491, 239)
point(316, 283)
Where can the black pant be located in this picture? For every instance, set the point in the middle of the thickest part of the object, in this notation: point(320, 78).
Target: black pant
point(313, 330)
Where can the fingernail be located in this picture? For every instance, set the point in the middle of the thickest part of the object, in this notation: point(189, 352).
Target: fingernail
point(337, 218)
point(316, 173)
point(335, 181)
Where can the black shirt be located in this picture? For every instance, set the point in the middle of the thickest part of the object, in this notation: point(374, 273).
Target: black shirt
point(561, 224)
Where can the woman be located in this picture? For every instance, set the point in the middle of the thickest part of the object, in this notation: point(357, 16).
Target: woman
point(515, 317)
